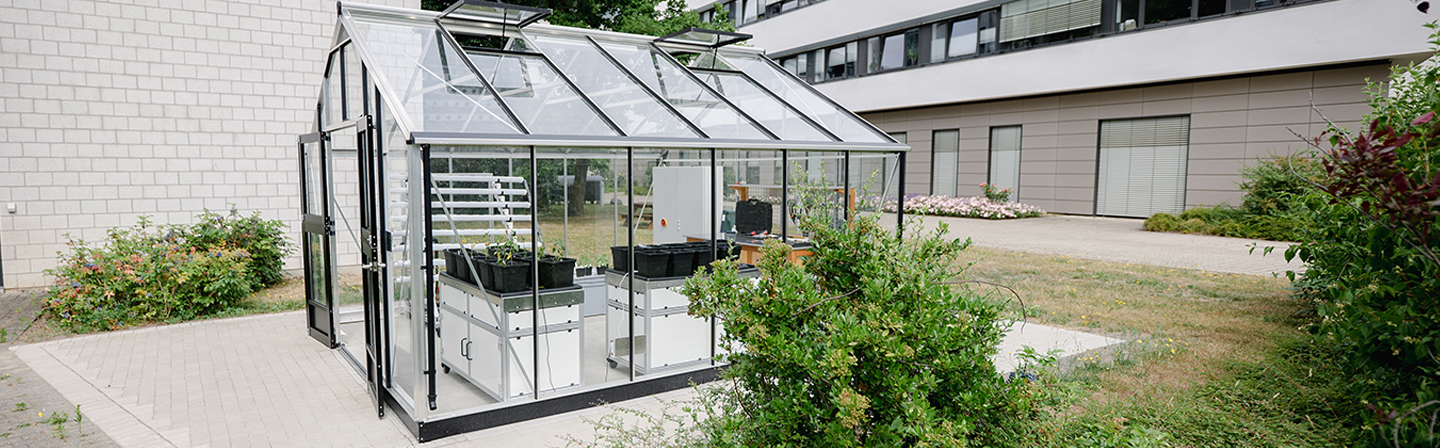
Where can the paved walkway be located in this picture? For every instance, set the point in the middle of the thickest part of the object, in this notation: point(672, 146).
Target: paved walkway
point(261, 381)
point(1119, 240)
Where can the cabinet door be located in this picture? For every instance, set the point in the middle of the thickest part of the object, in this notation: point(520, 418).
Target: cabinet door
point(455, 341)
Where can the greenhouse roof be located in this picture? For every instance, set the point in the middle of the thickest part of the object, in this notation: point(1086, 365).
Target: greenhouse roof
point(481, 73)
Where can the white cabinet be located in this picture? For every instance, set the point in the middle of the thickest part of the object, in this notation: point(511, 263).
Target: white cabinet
point(489, 338)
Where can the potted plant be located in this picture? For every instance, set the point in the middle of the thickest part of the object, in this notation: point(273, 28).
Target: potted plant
point(509, 271)
point(555, 271)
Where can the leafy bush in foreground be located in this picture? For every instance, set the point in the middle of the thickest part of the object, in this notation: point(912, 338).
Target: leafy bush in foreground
point(1373, 256)
point(864, 345)
point(150, 273)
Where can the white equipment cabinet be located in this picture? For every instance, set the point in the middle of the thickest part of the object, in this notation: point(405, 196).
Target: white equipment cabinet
point(666, 335)
point(680, 207)
point(488, 338)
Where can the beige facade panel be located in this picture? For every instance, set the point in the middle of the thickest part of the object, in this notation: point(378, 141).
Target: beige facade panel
point(1233, 121)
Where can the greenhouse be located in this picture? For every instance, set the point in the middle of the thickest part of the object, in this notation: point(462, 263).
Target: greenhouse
point(498, 212)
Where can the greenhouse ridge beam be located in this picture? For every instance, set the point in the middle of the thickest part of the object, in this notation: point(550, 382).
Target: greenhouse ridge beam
point(481, 139)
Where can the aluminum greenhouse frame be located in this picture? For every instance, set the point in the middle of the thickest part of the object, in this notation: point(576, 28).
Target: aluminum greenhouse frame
point(481, 112)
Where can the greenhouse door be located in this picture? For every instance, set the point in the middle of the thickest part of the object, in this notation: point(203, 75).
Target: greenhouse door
point(372, 260)
point(315, 235)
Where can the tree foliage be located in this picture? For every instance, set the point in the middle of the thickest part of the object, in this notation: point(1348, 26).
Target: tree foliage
point(650, 17)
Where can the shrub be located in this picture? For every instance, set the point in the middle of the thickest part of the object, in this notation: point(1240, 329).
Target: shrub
point(864, 345)
point(995, 194)
point(264, 240)
point(1161, 222)
point(149, 273)
point(1371, 253)
point(1275, 184)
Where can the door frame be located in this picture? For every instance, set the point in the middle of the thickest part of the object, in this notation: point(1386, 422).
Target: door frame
point(319, 305)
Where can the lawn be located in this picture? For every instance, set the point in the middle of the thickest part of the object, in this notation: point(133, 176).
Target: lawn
point(1215, 359)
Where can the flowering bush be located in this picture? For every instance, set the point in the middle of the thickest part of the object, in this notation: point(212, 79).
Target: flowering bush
point(150, 273)
point(994, 194)
point(967, 207)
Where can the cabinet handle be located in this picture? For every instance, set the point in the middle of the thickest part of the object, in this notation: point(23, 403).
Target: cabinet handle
point(467, 351)
point(463, 346)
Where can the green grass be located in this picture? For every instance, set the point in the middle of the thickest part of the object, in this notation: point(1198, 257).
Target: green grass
point(1214, 360)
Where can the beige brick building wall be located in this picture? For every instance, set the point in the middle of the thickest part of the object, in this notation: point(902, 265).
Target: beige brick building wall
point(1232, 122)
point(110, 110)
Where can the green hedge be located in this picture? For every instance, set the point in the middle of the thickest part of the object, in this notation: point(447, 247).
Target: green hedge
point(149, 273)
point(1228, 221)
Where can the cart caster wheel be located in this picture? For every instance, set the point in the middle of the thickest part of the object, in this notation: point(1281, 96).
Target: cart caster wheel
point(445, 368)
point(612, 362)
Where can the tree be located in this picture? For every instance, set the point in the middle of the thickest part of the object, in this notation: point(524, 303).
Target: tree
point(650, 17)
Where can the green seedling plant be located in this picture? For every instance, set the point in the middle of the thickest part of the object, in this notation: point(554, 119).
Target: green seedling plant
point(58, 421)
point(20, 407)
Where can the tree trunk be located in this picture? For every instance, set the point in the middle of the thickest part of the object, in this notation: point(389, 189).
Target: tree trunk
point(577, 188)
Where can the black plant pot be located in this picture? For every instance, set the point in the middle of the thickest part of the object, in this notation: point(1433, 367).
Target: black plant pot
point(620, 258)
point(556, 272)
point(703, 258)
point(682, 262)
point(585, 271)
point(453, 261)
point(484, 267)
point(652, 263)
point(511, 276)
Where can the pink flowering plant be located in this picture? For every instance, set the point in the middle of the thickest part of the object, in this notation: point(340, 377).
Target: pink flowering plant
point(995, 194)
point(149, 273)
point(966, 207)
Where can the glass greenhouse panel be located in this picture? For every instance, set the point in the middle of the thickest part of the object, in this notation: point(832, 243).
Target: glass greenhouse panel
point(405, 297)
point(538, 95)
point(624, 101)
point(770, 112)
point(331, 104)
point(837, 120)
point(435, 88)
point(674, 85)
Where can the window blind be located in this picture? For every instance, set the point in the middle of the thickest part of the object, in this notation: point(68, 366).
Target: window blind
point(1005, 159)
point(944, 162)
point(1142, 166)
point(1029, 18)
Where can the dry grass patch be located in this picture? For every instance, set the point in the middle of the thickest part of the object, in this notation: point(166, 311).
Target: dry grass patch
point(1185, 325)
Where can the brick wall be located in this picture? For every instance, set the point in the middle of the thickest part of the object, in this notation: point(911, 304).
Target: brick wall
point(117, 109)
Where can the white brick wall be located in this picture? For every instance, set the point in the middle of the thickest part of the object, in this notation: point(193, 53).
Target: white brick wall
point(110, 110)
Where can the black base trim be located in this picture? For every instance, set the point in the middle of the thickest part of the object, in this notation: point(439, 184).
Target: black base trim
point(432, 430)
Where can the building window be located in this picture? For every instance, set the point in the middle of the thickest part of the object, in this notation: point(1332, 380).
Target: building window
point(894, 51)
point(964, 37)
point(1005, 159)
point(798, 65)
point(944, 162)
point(840, 62)
point(1160, 11)
point(1032, 18)
point(1142, 166)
